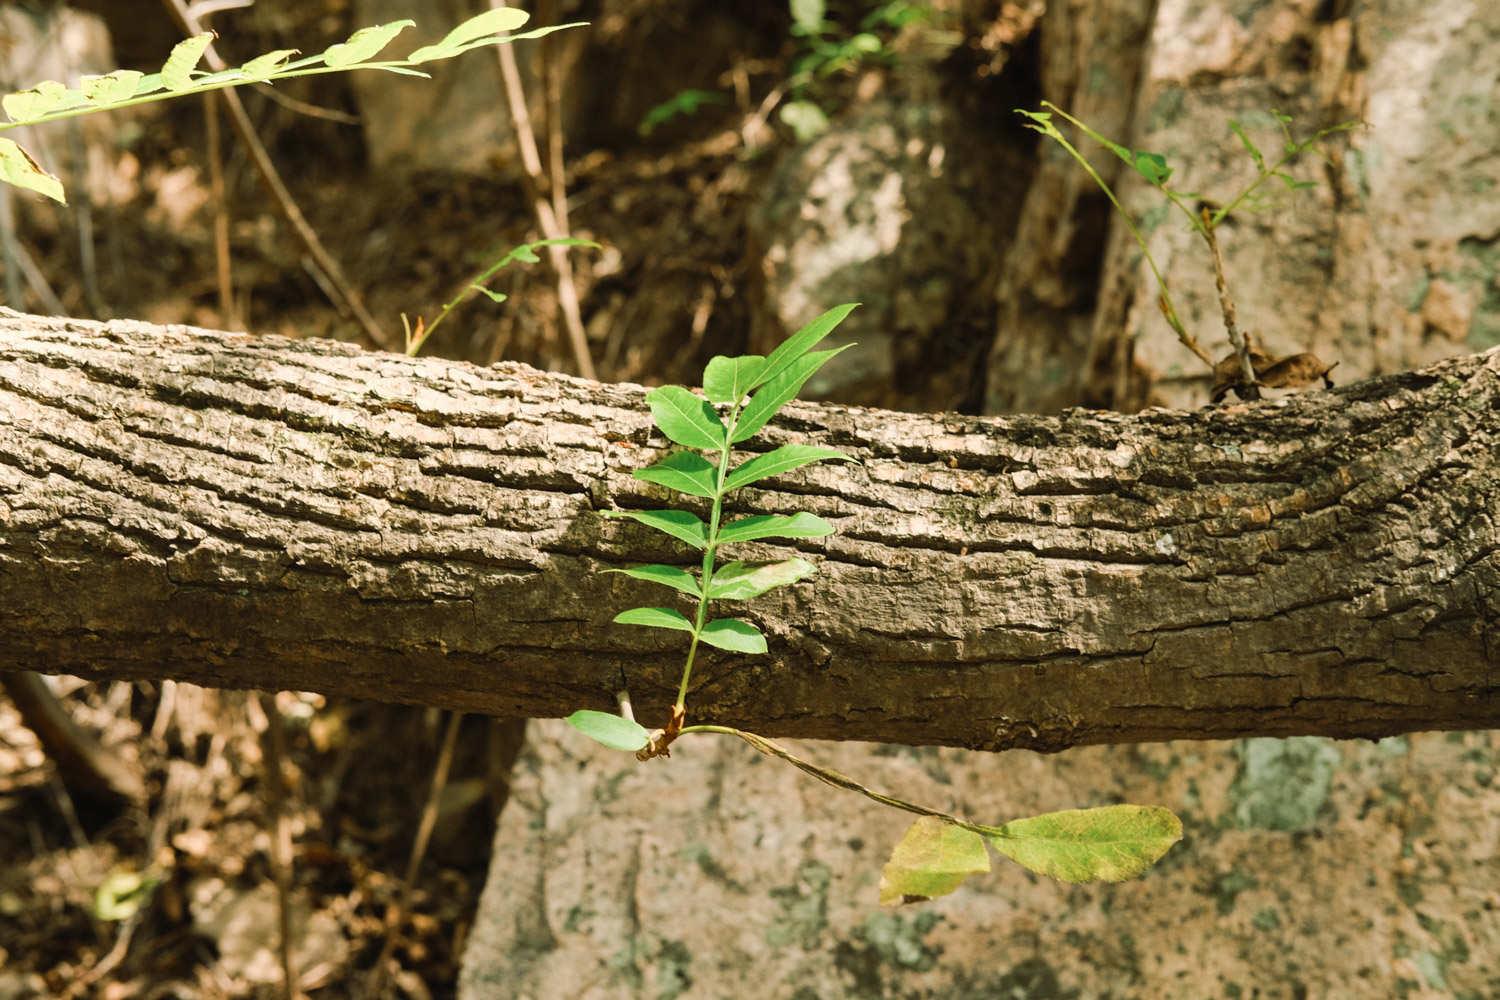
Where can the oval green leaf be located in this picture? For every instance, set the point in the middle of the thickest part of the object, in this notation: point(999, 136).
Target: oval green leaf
point(932, 859)
point(677, 523)
point(739, 582)
point(111, 88)
point(476, 28)
point(613, 731)
point(783, 459)
point(364, 44)
point(266, 66)
point(685, 418)
point(684, 471)
point(655, 618)
point(727, 380)
point(668, 576)
point(800, 525)
point(734, 635)
point(775, 394)
point(1107, 844)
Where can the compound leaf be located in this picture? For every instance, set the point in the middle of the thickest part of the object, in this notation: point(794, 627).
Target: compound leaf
point(677, 523)
point(726, 380)
point(670, 576)
point(655, 618)
point(737, 581)
point(734, 635)
point(685, 418)
point(783, 459)
point(932, 859)
point(799, 525)
point(613, 731)
point(1107, 844)
point(684, 471)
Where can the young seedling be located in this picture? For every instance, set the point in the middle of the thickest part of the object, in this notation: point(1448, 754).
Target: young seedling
point(52, 101)
point(1246, 369)
point(742, 394)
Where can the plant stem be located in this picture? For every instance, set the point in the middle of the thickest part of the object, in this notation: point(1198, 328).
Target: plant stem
point(708, 553)
point(839, 780)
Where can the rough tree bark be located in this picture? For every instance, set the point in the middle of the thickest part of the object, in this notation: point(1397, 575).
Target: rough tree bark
point(243, 511)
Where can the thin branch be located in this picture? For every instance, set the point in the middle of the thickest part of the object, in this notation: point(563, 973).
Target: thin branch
point(547, 219)
point(346, 295)
point(281, 839)
point(223, 268)
point(1249, 389)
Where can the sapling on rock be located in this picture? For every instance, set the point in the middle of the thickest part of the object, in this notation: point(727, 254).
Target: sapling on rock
point(740, 395)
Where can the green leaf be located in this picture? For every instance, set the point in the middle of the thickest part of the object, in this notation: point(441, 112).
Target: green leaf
point(18, 168)
point(177, 71)
point(40, 101)
point(726, 380)
point(613, 731)
point(677, 523)
point(776, 393)
point(1108, 844)
point(123, 893)
point(783, 459)
point(738, 582)
point(684, 471)
point(1250, 147)
point(932, 859)
point(266, 66)
point(685, 418)
point(806, 120)
point(475, 29)
point(799, 343)
point(1151, 166)
point(364, 44)
point(655, 618)
point(807, 15)
point(669, 576)
point(111, 88)
point(800, 525)
point(734, 635)
point(495, 297)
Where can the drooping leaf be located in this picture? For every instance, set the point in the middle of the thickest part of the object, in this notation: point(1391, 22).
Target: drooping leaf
point(177, 71)
point(1250, 147)
point(111, 88)
point(726, 380)
point(670, 576)
point(364, 44)
point(475, 29)
point(799, 525)
point(775, 394)
point(734, 635)
point(266, 66)
point(783, 459)
point(613, 731)
point(684, 471)
point(1107, 844)
point(1152, 166)
point(677, 523)
point(737, 581)
point(685, 418)
point(18, 168)
point(932, 859)
point(495, 297)
point(655, 618)
point(799, 343)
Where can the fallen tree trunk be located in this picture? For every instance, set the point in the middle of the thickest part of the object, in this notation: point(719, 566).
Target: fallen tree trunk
point(258, 512)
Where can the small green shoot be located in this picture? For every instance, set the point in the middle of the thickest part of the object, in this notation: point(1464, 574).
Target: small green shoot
point(683, 104)
point(179, 76)
point(740, 395)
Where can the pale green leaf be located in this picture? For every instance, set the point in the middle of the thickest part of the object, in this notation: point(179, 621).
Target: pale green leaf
point(123, 892)
point(783, 459)
point(18, 168)
point(737, 581)
point(775, 394)
point(670, 576)
point(613, 731)
point(806, 120)
point(800, 525)
point(364, 44)
point(655, 618)
point(1107, 844)
point(684, 471)
point(43, 99)
point(734, 635)
point(475, 29)
point(266, 66)
point(677, 523)
point(932, 859)
point(177, 71)
point(807, 15)
point(112, 88)
point(685, 418)
point(726, 380)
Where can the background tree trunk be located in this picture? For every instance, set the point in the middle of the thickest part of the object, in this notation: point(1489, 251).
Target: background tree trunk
point(241, 511)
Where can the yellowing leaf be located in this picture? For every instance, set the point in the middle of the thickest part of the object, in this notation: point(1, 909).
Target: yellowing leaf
point(1107, 844)
point(18, 168)
point(364, 44)
point(177, 71)
point(932, 859)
